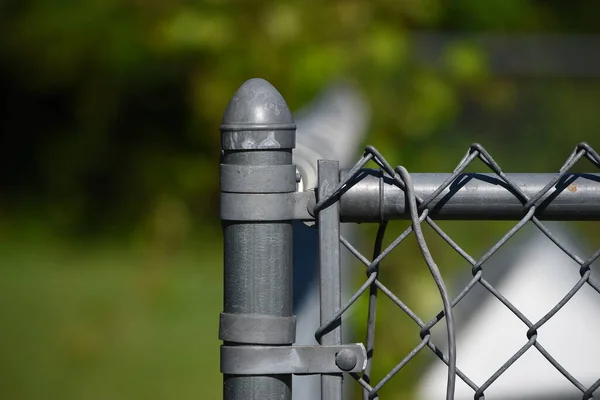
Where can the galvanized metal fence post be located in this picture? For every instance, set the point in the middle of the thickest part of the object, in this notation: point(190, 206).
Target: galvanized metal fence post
point(258, 181)
point(259, 201)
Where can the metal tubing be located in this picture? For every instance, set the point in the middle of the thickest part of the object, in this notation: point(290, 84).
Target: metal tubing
point(330, 270)
point(473, 196)
point(257, 130)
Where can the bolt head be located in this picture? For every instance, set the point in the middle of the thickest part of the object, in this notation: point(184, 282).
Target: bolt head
point(346, 360)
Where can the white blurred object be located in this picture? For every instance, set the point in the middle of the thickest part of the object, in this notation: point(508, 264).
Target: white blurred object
point(534, 275)
point(332, 127)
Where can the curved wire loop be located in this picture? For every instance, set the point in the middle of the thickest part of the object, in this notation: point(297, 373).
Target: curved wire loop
point(419, 213)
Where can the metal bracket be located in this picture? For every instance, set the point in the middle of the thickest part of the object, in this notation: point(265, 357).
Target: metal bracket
point(274, 360)
point(258, 178)
point(267, 206)
point(303, 203)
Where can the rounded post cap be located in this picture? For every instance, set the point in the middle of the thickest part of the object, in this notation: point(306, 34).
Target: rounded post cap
point(257, 105)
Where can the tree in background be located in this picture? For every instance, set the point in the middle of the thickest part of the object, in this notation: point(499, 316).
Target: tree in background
point(111, 108)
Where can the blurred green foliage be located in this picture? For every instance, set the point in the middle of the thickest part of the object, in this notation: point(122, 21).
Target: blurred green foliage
point(109, 234)
point(107, 321)
point(113, 106)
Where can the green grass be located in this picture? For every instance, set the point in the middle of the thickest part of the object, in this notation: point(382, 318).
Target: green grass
point(108, 322)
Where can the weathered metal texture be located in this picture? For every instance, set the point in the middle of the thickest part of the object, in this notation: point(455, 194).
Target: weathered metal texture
point(258, 178)
point(472, 196)
point(523, 197)
point(259, 203)
point(277, 360)
point(257, 132)
point(256, 328)
point(330, 270)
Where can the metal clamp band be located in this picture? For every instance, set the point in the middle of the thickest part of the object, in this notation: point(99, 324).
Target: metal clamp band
point(258, 139)
point(257, 207)
point(274, 360)
point(257, 127)
point(258, 178)
point(257, 329)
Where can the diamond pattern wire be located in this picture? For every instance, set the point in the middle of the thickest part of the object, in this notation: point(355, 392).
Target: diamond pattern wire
point(419, 213)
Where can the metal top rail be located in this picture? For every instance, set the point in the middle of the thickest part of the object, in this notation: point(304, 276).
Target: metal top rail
point(374, 197)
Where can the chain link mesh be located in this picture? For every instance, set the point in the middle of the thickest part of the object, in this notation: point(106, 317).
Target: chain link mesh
point(419, 213)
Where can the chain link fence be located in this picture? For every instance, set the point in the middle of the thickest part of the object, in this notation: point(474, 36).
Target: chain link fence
point(258, 203)
point(419, 213)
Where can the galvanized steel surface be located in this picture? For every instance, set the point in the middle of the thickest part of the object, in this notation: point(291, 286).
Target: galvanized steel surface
point(257, 323)
point(257, 131)
point(534, 194)
point(472, 196)
point(330, 271)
